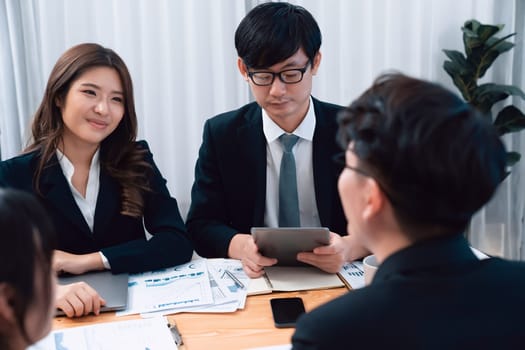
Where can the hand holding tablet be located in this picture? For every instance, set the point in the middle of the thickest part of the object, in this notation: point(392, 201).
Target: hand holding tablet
point(284, 243)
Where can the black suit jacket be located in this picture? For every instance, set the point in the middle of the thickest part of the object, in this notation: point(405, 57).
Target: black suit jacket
point(121, 238)
point(229, 192)
point(433, 295)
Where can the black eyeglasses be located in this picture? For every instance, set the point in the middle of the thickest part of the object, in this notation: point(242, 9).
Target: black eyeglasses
point(340, 159)
point(287, 76)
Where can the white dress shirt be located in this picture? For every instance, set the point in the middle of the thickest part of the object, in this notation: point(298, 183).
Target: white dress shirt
point(88, 204)
point(302, 151)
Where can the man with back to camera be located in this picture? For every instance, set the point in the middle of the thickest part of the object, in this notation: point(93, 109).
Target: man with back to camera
point(419, 162)
point(237, 174)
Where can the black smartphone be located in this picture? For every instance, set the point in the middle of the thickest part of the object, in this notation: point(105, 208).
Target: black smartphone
point(285, 311)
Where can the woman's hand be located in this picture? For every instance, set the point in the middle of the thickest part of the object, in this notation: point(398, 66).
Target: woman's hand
point(78, 299)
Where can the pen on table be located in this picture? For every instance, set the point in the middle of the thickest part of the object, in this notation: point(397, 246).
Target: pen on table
point(177, 337)
point(235, 279)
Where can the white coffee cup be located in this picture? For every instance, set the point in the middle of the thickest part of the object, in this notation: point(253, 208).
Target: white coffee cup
point(370, 266)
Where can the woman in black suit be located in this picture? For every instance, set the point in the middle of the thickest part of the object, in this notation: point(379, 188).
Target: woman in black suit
point(99, 185)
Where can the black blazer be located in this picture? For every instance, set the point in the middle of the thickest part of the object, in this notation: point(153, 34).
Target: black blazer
point(121, 238)
point(433, 295)
point(229, 192)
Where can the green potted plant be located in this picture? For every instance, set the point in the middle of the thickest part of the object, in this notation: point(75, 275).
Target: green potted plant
point(482, 48)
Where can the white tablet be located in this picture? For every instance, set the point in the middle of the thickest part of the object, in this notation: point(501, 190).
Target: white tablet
point(283, 243)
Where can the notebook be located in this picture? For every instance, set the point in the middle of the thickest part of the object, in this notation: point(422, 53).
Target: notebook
point(113, 288)
point(292, 278)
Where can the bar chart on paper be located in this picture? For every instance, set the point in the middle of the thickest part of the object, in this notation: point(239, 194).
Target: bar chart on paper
point(353, 274)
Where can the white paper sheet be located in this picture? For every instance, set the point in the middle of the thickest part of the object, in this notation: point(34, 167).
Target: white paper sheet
point(141, 334)
point(223, 300)
point(353, 274)
point(185, 285)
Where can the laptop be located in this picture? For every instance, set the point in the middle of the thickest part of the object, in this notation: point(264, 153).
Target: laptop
point(113, 288)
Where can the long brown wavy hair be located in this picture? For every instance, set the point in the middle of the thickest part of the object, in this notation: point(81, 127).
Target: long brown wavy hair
point(119, 155)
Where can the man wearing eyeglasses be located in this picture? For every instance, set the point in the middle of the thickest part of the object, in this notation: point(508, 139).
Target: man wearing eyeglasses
point(420, 162)
point(239, 176)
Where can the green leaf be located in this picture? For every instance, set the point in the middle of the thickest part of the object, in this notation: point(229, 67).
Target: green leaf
point(500, 44)
point(459, 80)
point(482, 57)
point(452, 68)
point(476, 34)
point(471, 26)
point(458, 58)
point(513, 158)
point(486, 95)
point(485, 31)
point(509, 119)
point(470, 38)
point(482, 60)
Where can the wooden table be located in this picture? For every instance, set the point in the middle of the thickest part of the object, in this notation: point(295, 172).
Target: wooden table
point(251, 327)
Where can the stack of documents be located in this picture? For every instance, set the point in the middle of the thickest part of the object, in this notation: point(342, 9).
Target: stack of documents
point(201, 285)
point(220, 285)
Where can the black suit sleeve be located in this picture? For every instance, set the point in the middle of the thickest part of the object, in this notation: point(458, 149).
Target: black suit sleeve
point(304, 337)
point(11, 176)
point(169, 245)
point(330, 326)
point(208, 215)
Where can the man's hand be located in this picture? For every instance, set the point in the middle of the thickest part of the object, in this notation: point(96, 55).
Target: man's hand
point(76, 264)
point(331, 258)
point(243, 247)
point(78, 299)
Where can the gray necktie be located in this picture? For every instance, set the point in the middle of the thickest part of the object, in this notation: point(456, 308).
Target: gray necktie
point(288, 198)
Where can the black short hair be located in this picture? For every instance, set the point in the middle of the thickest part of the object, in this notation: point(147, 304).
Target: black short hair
point(26, 246)
point(436, 158)
point(272, 32)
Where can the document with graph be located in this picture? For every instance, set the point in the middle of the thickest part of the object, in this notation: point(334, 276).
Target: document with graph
point(185, 286)
point(353, 275)
point(152, 334)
